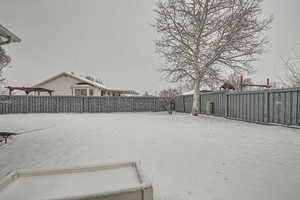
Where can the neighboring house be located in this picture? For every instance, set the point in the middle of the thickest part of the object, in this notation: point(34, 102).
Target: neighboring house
point(69, 84)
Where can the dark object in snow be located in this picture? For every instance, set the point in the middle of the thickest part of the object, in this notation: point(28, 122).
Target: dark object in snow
point(5, 135)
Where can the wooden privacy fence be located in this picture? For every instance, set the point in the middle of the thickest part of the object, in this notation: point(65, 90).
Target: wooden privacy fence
point(281, 106)
point(72, 104)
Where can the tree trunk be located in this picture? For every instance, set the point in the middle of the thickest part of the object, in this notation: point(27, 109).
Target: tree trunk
point(196, 100)
point(170, 111)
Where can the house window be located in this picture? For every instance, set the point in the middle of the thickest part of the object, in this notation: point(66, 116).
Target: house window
point(80, 92)
point(77, 92)
point(102, 93)
point(83, 92)
point(91, 92)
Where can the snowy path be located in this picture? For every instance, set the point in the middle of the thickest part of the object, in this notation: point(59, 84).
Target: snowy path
point(187, 158)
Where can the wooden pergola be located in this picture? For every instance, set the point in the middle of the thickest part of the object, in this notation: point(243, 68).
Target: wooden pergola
point(8, 35)
point(28, 90)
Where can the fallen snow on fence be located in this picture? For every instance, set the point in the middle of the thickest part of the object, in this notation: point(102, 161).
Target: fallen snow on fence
point(185, 157)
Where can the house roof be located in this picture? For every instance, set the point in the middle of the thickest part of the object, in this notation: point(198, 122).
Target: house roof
point(8, 35)
point(83, 79)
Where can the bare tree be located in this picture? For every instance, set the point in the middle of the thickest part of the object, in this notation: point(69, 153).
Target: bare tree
point(292, 77)
point(4, 61)
point(167, 98)
point(202, 39)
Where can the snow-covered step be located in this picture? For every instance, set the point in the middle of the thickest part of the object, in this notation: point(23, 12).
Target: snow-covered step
point(117, 181)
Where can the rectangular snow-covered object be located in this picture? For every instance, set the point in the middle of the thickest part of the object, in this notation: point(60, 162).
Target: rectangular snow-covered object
point(117, 181)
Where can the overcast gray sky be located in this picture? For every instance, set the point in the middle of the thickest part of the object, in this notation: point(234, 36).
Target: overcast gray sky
point(113, 40)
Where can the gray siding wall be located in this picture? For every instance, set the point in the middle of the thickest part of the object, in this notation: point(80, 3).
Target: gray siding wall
point(280, 106)
point(71, 104)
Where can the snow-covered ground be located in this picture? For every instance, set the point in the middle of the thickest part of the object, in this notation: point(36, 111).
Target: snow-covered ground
point(185, 157)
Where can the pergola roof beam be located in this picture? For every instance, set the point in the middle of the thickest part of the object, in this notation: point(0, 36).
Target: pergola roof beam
point(11, 37)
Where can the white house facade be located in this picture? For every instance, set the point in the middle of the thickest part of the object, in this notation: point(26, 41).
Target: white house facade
point(69, 84)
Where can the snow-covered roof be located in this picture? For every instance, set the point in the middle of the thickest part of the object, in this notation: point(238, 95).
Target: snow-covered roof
point(192, 92)
point(202, 89)
point(85, 80)
point(188, 93)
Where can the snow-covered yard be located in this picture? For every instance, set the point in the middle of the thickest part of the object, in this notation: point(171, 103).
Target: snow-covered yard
point(186, 158)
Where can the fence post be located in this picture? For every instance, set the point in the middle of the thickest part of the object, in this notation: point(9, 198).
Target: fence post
point(183, 100)
point(108, 105)
point(133, 107)
point(200, 96)
point(266, 106)
point(295, 102)
point(85, 104)
point(27, 104)
point(298, 108)
point(57, 104)
point(226, 104)
point(82, 104)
